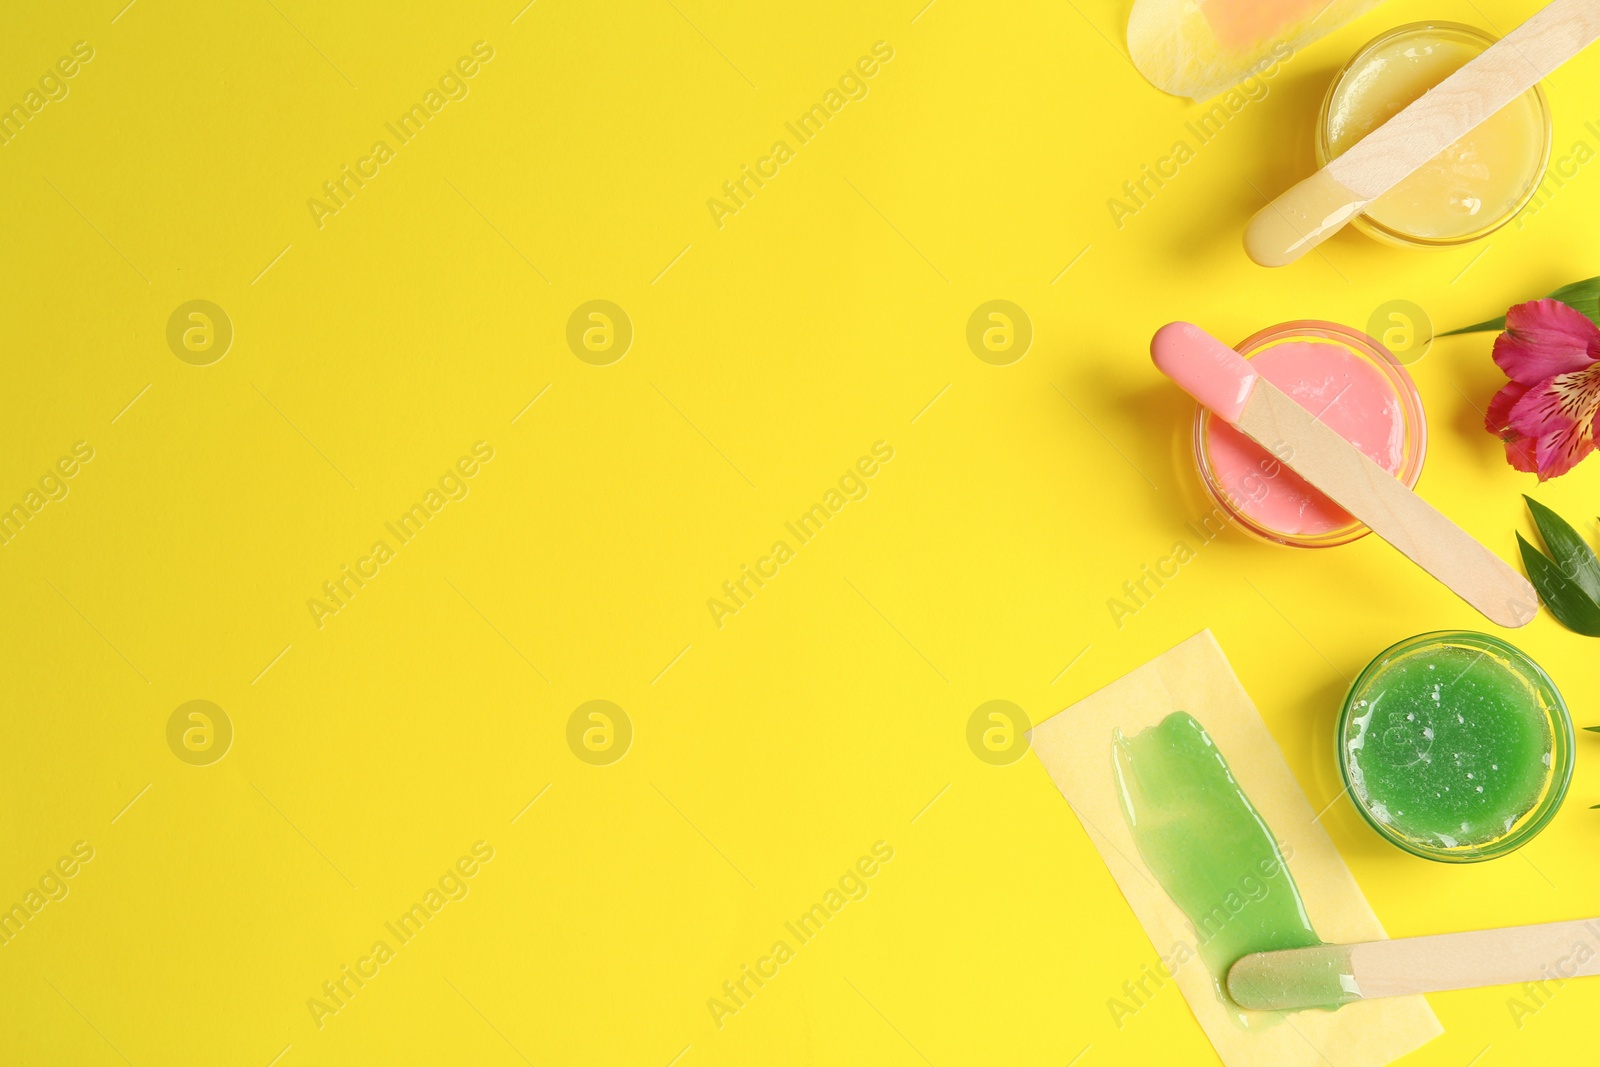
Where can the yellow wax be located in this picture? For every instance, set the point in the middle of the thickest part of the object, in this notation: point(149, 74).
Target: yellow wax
point(1471, 187)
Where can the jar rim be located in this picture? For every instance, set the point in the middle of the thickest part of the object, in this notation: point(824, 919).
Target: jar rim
point(1413, 417)
point(1562, 746)
point(1371, 226)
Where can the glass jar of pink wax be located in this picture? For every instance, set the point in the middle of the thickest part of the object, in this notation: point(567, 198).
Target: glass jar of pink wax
point(1351, 383)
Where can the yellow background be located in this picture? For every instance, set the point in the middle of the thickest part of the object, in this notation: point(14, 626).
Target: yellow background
point(830, 712)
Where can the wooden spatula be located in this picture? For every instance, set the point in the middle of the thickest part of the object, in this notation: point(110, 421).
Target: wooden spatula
point(1317, 208)
point(1329, 975)
point(1224, 381)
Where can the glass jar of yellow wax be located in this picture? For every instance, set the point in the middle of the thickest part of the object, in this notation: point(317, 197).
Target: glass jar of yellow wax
point(1455, 746)
point(1471, 188)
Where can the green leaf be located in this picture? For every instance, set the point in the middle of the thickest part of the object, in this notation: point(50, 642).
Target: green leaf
point(1583, 296)
point(1571, 606)
point(1567, 550)
point(1596, 729)
point(1479, 327)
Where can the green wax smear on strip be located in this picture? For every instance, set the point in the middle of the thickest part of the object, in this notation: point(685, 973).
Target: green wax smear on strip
point(1208, 847)
point(1449, 746)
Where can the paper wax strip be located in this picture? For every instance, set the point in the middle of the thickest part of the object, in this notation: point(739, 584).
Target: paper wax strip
point(1198, 48)
point(1177, 734)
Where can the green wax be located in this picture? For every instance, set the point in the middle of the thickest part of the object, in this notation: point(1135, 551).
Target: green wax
point(1448, 746)
point(1207, 845)
point(1319, 977)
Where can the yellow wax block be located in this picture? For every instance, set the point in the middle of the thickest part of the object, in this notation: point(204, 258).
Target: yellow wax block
point(1199, 49)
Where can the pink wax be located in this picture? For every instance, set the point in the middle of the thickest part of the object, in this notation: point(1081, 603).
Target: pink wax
point(1342, 389)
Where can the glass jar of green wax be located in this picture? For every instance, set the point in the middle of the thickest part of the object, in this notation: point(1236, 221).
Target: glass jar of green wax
point(1455, 746)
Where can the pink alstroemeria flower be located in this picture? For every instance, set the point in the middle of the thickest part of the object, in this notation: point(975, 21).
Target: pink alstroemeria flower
point(1546, 413)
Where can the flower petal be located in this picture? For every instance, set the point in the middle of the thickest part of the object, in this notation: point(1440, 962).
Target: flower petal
point(1520, 453)
point(1558, 452)
point(1498, 419)
point(1560, 403)
point(1544, 338)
